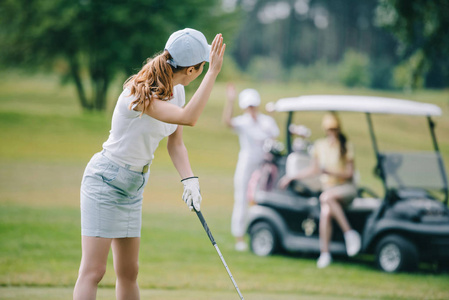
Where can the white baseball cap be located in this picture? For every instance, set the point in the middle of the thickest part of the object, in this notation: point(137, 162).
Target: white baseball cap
point(187, 47)
point(249, 97)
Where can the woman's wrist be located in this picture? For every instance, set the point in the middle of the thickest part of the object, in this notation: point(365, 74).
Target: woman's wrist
point(212, 73)
point(189, 177)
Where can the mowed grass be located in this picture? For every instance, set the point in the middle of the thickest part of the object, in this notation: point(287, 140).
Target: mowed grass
point(40, 293)
point(47, 141)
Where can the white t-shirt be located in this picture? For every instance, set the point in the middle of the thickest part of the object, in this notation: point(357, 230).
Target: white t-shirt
point(252, 135)
point(134, 138)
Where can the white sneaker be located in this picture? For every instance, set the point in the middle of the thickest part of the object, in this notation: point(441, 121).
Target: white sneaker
point(353, 242)
point(241, 246)
point(324, 260)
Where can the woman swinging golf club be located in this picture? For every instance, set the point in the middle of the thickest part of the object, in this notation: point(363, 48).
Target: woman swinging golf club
point(150, 108)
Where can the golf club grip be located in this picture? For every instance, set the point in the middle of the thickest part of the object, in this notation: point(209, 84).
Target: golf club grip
point(209, 234)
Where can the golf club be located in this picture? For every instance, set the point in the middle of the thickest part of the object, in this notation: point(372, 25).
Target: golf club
point(209, 234)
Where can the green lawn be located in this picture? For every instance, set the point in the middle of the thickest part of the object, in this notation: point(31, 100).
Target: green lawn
point(45, 293)
point(47, 141)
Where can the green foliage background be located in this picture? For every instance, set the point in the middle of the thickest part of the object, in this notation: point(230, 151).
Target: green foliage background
point(91, 42)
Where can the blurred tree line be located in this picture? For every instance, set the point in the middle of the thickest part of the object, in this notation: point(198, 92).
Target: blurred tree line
point(91, 41)
point(371, 43)
point(421, 27)
point(303, 32)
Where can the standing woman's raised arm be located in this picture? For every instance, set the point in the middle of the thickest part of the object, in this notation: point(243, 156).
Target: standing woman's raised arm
point(229, 106)
point(189, 114)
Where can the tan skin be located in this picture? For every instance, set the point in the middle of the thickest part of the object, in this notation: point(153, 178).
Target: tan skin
point(330, 202)
point(125, 251)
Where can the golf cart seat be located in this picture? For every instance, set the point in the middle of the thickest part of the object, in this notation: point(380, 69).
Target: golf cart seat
point(364, 204)
point(366, 199)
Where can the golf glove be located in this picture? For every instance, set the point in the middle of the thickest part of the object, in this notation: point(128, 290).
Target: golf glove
point(192, 194)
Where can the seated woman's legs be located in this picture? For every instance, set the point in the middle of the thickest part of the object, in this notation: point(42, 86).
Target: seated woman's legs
point(331, 200)
point(325, 227)
point(331, 207)
point(327, 206)
point(338, 196)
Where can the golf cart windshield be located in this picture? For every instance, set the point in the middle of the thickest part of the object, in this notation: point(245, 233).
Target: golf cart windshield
point(420, 170)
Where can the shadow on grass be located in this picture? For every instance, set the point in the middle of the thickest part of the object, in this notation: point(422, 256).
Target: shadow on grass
point(367, 262)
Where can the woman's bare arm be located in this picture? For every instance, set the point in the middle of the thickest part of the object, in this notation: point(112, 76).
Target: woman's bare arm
point(189, 114)
point(178, 153)
point(229, 106)
point(347, 174)
point(313, 169)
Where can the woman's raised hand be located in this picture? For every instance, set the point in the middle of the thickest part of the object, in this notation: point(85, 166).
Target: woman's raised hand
point(231, 93)
point(216, 54)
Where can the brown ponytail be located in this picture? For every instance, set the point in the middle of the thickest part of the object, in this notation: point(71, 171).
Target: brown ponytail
point(155, 79)
point(343, 149)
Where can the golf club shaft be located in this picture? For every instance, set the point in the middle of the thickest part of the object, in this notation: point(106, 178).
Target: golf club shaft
point(209, 234)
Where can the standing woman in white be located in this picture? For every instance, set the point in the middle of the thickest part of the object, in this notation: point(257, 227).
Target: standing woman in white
point(253, 129)
point(150, 108)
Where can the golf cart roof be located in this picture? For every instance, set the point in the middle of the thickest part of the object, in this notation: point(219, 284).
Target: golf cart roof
point(365, 104)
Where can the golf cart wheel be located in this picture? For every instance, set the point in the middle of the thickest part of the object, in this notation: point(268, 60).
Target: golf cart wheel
point(394, 253)
point(263, 239)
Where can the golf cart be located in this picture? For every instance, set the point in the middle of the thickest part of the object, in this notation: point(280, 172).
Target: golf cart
point(408, 224)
